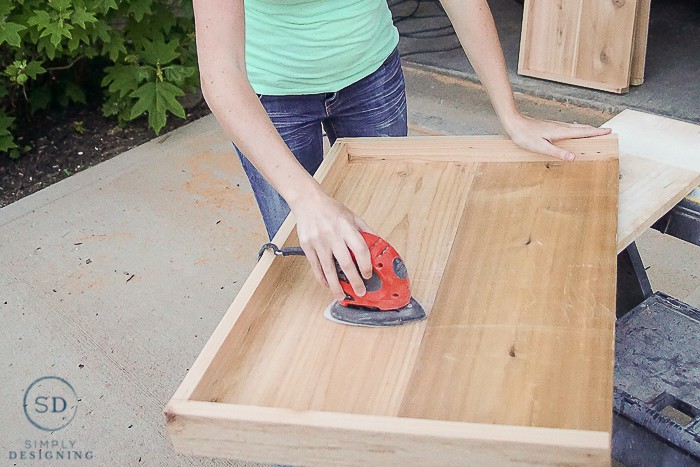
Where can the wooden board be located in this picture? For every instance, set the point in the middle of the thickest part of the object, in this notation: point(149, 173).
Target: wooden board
point(581, 42)
point(659, 165)
point(639, 50)
point(513, 256)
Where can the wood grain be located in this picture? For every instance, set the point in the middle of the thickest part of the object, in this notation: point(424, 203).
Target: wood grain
point(513, 261)
point(415, 213)
point(580, 42)
point(639, 50)
point(286, 436)
point(493, 350)
point(659, 165)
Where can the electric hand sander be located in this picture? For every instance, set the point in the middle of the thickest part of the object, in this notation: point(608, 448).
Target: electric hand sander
point(388, 300)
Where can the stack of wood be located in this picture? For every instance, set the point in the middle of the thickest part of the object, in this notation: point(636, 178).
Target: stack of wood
point(599, 44)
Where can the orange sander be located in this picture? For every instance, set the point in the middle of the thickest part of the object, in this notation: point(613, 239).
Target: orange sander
point(388, 300)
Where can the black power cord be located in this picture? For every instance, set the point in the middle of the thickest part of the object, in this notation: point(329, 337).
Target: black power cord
point(409, 24)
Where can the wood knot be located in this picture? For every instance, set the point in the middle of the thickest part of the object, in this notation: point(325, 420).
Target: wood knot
point(512, 351)
point(619, 3)
point(604, 57)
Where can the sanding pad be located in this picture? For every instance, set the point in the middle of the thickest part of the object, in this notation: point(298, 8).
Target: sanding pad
point(375, 318)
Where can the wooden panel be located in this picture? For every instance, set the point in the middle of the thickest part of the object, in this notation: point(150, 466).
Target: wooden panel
point(273, 435)
point(659, 165)
point(639, 50)
point(525, 318)
point(535, 236)
point(581, 42)
point(414, 211)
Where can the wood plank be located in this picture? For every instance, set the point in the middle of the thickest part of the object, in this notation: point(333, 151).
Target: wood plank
point(659, 165)
point(578, 42)
point(415, 213)
point(330, 172)
point(639, 50)
point(277, 380)
point(525, 319)
point(274, 435)
point(473, 149)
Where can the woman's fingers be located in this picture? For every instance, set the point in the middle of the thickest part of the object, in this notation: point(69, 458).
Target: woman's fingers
point(342, 255)
point(362, 225)
point(359, 249)
point(331, 275)
point(312, 257)
point(577, 132)
point(556, 151)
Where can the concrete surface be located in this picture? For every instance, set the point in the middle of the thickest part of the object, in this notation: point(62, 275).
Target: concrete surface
point(114, 278)
point(671, 86)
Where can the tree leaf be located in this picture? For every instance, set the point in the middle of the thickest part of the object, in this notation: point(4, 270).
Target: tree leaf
point(122, 80)
point(9, 33)
point(60, 5)
point(160, 52)
point(34, 68)
point(177, 74)
point(103, 6)
point(81, 16)
point(7, 142)
point(6, 7)
point(156, 99)
point(40, 98)
point(56, 31)
point(115, 47)
point(77, 36)
point(72, 93)
point(101, 30)
point(140, 8)
point(41, 19)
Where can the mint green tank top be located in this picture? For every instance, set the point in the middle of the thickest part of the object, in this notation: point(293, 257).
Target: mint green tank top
point(297, 47)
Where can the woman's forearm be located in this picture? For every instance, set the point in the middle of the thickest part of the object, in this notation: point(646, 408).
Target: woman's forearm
point(476, 30)
point(220, 30)
point(244, 120)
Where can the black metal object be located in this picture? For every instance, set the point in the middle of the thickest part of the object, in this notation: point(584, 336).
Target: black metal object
point(633, 285)
point(657, 381)
point(634, 445)
point(683, 221)
point(287, 251)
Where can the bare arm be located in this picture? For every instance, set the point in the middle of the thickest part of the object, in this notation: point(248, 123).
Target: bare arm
point(325, 227)
point(473, 22)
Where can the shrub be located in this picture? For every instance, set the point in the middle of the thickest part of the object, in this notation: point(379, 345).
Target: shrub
point(138, 54)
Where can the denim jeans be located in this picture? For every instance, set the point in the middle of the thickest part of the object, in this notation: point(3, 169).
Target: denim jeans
point(373, 106)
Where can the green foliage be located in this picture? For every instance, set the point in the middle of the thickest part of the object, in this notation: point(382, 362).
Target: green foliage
point(136, 56)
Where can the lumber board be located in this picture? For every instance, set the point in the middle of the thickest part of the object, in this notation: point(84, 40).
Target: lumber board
point(641, 35)
point(267, 434)
point(519, 297)
point(278, 382)
point(659, 166)
point(580, 42)
point(639, 50)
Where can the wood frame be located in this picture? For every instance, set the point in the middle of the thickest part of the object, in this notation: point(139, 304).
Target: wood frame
point(275, 434)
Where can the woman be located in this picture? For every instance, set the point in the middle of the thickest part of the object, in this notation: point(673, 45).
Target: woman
point(274, 72)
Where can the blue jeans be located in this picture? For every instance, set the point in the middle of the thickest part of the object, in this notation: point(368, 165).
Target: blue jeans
point(373, 106)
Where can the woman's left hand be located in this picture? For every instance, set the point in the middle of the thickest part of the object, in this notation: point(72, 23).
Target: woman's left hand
point(539, 135)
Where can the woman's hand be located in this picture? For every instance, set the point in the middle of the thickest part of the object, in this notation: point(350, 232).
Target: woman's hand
point(539, 135)
point(327, 229)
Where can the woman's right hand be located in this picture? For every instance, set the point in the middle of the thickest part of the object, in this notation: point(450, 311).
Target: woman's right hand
point(327, 229)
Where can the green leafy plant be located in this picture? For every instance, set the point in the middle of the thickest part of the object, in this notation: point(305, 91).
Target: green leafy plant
point(135, 57)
